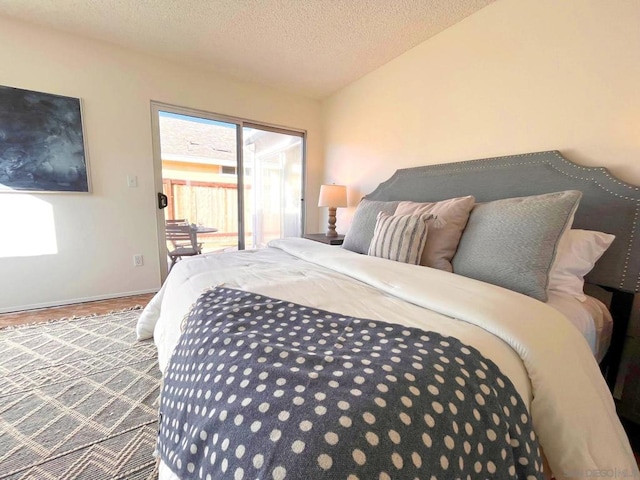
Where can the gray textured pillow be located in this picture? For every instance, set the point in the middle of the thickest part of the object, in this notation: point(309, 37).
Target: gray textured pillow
point(512, 242)
point(359, 236)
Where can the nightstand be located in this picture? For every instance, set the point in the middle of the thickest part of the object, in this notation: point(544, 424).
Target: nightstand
point(322, 238)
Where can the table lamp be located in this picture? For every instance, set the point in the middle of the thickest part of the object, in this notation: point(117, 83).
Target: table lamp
point(332, 196)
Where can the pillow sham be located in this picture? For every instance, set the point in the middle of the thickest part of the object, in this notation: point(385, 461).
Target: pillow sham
point(442, 241)
point(578, 252)
point(358, 237)
point(512, 242)
point(400, 238)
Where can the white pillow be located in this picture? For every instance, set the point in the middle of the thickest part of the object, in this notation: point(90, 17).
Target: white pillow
point(578, 252)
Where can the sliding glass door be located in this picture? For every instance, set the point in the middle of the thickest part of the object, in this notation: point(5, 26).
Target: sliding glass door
point(199, 177)
point(273, 176)
point(236, 184)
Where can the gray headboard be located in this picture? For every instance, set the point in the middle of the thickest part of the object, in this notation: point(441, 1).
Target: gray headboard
point(607, 205)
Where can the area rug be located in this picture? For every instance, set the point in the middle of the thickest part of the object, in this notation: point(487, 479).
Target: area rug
point(77, 400)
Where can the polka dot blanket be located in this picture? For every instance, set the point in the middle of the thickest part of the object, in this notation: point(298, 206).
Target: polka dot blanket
point(260, 388)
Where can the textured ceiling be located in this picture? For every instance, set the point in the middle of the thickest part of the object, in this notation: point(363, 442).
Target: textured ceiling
point(310, 47)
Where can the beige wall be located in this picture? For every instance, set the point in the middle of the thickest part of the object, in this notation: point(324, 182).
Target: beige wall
point(518, 76)
point(86, 242)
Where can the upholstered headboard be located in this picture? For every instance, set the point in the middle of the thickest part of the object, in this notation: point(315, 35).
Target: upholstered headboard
point(607, 205)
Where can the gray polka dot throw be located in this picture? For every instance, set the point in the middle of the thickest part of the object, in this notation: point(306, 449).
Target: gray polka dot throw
point(260, 388)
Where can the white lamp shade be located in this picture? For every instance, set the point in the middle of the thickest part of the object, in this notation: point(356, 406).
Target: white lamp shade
point(333, 196)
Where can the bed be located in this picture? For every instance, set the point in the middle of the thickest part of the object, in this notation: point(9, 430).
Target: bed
point(308, 360)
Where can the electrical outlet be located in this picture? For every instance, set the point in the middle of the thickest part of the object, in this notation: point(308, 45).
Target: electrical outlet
point(138, 260)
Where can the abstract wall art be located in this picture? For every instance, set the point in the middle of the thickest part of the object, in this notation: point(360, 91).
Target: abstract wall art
point(42, 146)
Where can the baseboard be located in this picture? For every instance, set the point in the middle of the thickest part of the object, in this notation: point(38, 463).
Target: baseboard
point(37, 306)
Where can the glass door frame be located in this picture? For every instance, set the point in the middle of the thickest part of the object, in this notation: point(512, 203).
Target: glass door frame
point(240, 124)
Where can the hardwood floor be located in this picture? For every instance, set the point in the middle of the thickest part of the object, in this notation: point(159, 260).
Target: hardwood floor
point(76, 310)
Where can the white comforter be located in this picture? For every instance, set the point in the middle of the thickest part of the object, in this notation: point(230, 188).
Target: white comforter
point(555, 373)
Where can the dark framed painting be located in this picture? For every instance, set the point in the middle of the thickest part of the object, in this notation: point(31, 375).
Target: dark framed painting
point(42, 146)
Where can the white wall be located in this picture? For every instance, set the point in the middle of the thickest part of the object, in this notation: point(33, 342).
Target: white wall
point(86, 242)
point(517, 76)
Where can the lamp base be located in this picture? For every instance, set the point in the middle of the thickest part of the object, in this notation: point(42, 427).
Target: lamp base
point(331, 231)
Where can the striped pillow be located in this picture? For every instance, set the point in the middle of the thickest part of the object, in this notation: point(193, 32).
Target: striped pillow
point(399, 237)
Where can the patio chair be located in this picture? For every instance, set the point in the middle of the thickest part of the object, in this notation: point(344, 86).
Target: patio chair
point(184, 242)
point(177, 221)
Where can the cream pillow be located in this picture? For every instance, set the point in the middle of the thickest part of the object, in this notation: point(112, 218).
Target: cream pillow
point(578, 252)
point(443, 241)
point(399, 237)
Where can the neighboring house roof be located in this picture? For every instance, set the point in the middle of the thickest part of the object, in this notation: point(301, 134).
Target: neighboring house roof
point(197, 141)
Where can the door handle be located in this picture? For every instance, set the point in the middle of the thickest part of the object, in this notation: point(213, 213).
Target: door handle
point(163, 201)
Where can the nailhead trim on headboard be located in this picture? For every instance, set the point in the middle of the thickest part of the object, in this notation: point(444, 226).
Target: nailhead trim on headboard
point(536, 173)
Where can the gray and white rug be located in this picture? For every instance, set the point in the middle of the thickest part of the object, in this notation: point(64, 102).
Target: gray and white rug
point(77, 400)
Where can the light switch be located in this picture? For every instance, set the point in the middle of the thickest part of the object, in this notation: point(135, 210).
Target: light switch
point(132, 181)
